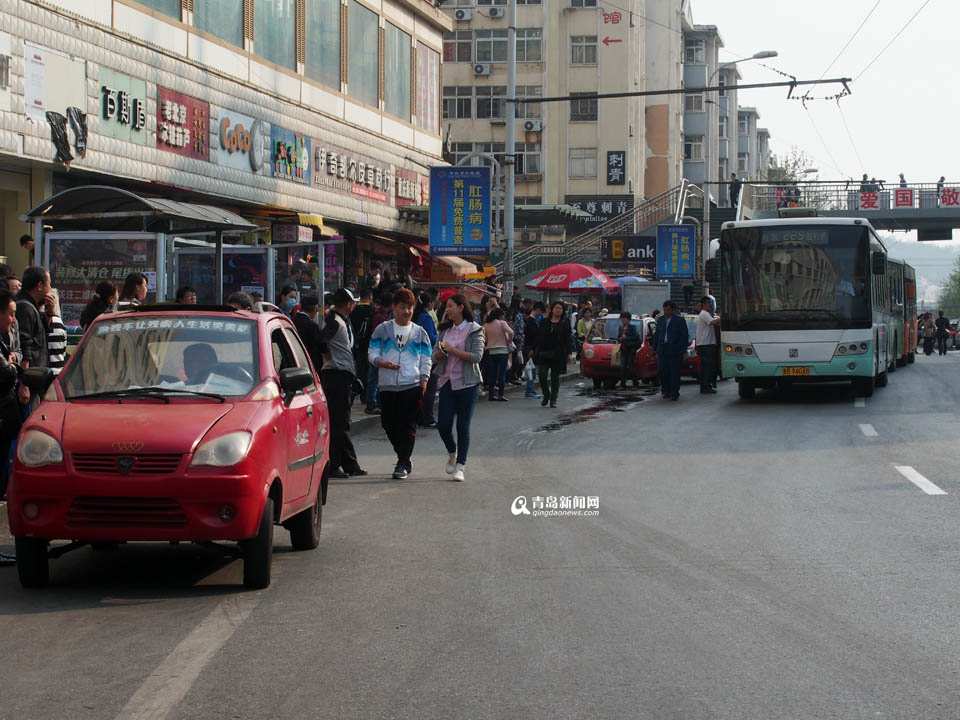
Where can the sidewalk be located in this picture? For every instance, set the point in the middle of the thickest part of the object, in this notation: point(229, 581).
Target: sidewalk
point(361, 421)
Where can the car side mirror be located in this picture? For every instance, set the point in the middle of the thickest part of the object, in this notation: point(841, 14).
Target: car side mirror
point(293, 380)
point(38, 379)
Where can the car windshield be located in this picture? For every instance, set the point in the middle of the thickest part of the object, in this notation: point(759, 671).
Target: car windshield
point(169, 354)
point(611, 328)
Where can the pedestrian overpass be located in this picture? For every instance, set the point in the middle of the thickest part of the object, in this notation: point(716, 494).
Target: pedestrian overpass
point(932, 210)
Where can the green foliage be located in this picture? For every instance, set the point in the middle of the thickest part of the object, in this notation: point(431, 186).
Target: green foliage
point(949, 300)
point(790, 167)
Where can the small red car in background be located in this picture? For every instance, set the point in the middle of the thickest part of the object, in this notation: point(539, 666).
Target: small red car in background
point(174, 424)
point(598, 362)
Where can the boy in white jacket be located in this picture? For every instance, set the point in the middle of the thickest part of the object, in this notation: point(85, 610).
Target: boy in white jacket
point(401, 350)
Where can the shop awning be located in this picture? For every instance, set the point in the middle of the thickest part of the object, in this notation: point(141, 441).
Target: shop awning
point(98, 207)
point(461, 267)
point(311, 220)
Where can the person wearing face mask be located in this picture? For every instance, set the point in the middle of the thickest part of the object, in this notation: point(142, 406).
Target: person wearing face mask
point(288, 300)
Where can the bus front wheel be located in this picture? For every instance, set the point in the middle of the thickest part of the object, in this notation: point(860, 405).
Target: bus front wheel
point(863, 387)
point(745, 389)
point(882, 379)
point(912, 358)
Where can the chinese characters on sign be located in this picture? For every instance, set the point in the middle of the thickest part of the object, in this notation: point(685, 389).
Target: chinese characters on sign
point(612, 18)
point(183, 124)
point(408, 188)
point(676, 246)
point(339, 169)
point(600, 207)
point(123, 107)
point(460, 211)
point(290, 154)
point(616, 167)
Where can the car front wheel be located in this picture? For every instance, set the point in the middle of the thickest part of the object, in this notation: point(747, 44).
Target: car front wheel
point(32, 563)
point(258, 552)
point(305, 526)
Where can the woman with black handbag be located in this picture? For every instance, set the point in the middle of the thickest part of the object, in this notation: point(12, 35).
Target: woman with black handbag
point(9, 380)
point(550, 351)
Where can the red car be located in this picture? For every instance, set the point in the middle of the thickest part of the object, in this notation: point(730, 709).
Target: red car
point(174, 424)
point(598, 362)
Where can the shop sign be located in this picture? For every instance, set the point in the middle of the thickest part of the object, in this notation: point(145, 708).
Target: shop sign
point(6, 58)
point(632, 249)
point(52, 81)
point(616, 167)
point(345, 171)
point(675, 251)
point(460, 211)
point(601, 207)
point(290, 155)
point(183, 124)
point(243, 142)
point(123, 107)
point(408, 188)
point(292, 234)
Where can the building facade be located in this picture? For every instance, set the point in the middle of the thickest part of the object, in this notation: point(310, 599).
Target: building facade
point(701, 59)
point(748, 151)
point(327, 110)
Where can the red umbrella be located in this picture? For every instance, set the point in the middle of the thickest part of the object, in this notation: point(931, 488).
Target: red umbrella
point(574, 278)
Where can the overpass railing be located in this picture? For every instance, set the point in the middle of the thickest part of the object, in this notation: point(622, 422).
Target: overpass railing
point(844, 195)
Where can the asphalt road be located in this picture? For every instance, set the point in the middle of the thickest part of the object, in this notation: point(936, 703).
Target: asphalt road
point(749, 560)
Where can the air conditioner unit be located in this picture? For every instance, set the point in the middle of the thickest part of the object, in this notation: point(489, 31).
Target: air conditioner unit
point(497, 12)
point(461, 15)
point(533, 125)
point(529, 236)
point(481, 69)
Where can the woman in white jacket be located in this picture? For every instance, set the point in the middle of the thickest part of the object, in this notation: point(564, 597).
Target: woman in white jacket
point(401, 350)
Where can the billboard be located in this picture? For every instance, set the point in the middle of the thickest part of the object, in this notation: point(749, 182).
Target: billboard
point(630, 249)
point(460, 211)
point(676, 252)
point(242, 142)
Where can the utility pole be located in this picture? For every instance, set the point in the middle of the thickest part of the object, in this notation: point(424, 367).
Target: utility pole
point(509, 157)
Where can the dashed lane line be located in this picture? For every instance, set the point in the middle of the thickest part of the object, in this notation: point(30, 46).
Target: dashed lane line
point(919, 480)
point(868, 430)
point(859, 402)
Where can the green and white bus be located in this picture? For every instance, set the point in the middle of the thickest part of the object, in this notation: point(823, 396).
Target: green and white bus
point(808, 299)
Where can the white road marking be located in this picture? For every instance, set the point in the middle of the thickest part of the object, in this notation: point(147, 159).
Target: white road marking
point(919, 480)
point(868, 431)
point(172, 679)
point(860, 402)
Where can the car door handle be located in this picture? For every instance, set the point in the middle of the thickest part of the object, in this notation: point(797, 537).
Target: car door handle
point(310, 411)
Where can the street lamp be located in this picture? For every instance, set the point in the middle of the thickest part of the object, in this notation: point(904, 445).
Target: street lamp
point(762, 55)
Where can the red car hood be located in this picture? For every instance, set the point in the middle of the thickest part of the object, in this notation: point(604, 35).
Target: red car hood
point(134, 428)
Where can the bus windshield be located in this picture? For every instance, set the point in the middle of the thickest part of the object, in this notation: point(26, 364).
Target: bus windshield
point(790, 277)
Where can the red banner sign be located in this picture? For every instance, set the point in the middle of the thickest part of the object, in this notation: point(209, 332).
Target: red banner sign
point(183, 124)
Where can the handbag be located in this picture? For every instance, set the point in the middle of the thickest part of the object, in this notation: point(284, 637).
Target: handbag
point(511, 346)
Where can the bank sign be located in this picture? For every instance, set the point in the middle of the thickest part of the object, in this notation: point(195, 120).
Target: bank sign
point(243, 142)
point(630, 249)
point(676, 252)
point(460, 211)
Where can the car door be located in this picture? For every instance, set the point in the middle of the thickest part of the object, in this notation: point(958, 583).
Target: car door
point(296, 423)
point(316, 411)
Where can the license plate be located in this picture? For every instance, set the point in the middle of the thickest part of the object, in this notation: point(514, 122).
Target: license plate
point(796, 371)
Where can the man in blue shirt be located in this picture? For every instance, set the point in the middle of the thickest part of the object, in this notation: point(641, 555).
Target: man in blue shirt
point(670, 341)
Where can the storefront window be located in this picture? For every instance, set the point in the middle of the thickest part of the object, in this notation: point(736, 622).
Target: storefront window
point(364, 55)
point(332, 267)
point(220, 18)
point(323, 42)
point(428, 83)
point(167, 7)
point(398, 72)
point(274, 23)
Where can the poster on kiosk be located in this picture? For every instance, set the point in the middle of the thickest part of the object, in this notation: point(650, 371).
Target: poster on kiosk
point(460, 211)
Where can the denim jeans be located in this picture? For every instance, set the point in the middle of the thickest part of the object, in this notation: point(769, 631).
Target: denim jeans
point(460, 403)
point(373, 381)
point(498, 374)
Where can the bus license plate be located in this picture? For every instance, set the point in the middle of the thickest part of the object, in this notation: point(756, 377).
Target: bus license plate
point(796, 371)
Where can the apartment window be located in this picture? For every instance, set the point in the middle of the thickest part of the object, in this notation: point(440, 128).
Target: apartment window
point(582, 163)
point(743, 162)
point(491, 102)
point(742, 126)
point(491, 45)
point(529, 44)
point(428, 85)
point(723, 87)
point(723, 127)
point(583, 49)
point(693, 52)
point(722, 169)
point(457, 102)
point(220, 18)
point(456, 3)
point(693, 103)
point(397, 69)
point(528, 2)
point(583, 3)
point(170, 7)
point(583, 109)
point(364, 54)
point(529, 110)
point(323, 42)
point(459, 151)
point(527, 158)
point(4, 71)
point(528, 200)
point(491, 2)
point(458, 46)
point(495, 149)
point(274, 30)
point(693, 147)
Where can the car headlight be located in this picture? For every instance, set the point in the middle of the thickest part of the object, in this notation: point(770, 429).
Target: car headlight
point(691, 352)
point(224, 451)
point(588, 353)
point(36, 448)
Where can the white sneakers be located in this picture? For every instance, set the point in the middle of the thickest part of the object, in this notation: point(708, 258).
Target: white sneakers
point(458, 473)
point(451, 463)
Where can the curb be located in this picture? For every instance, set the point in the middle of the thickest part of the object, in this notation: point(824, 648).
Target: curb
point(361, 421)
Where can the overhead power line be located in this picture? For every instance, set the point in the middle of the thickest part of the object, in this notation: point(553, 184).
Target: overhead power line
point(823, 142)
point(893, 39)
point(853, 142)
point(855, 33)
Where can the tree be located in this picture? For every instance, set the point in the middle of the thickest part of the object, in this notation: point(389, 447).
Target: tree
point(949, 300)
point(789, 168)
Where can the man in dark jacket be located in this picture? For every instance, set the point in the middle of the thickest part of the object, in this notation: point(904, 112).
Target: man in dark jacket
point(943, 332)
point(735, 186)
point(630, 341)
point(531, 326)
point(670, 341)
point(33, 332)
point(360, 318)
point(309, 331)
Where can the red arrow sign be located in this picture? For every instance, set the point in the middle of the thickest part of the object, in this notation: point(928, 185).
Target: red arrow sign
point(607, 40)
